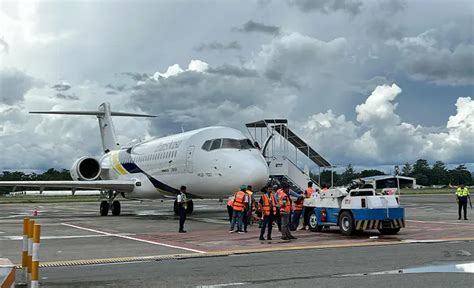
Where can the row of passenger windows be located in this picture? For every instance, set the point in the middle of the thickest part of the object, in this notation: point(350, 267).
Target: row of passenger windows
point(151, 157)
point(227, 143)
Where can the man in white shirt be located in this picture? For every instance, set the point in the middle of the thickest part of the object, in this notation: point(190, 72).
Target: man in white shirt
point(182, 206)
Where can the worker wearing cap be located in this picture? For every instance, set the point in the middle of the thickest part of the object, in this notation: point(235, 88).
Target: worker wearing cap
point(285, 210)
point(308, 193)
point(240, 202)
point(462, 193)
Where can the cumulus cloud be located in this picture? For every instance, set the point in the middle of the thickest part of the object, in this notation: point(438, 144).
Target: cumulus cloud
point(326, 6)
point(218, 46)
point(380, 137)
point(434, 57)
point(64, 86)
point(252, 26)
point(14, 84)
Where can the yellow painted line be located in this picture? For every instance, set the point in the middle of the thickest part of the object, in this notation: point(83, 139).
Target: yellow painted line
point(227, 253)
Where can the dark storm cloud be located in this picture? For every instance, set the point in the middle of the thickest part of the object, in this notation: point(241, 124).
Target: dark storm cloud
point(61, 86)
point(65, 96)
point(14, 84)
point(384, 30)
point(232, 70)
point(116, 88)
point(252, 26)
point(218, 46)
point(326, 6)
point(137, 76)
point(196, 99)
point(392, 7)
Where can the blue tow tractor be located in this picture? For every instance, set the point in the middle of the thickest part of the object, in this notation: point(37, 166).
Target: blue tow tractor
point(356, 209)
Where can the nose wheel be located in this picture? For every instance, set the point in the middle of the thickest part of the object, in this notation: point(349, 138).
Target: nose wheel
point(110, 204)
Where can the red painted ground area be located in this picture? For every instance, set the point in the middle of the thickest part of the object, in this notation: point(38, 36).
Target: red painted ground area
point(211, 240)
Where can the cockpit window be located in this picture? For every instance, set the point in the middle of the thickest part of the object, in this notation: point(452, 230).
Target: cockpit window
point(231, 143)
point(207, 145)
point(216, 144)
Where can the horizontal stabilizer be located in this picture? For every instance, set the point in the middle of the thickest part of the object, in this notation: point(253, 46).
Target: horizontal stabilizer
point(125, 186)
point(93, 113)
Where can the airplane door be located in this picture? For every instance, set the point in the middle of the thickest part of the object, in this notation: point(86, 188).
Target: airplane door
point(189, 159)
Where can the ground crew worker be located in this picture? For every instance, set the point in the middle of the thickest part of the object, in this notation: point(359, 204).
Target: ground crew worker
point(325, 188)
point(230, 208)
point(462, 193)
point(276, 192)
point(307, 210)
point(297, 210)
point(247, 215)
point(285, 210)
point(182, 206)
point(239, 208)
point(268, 207)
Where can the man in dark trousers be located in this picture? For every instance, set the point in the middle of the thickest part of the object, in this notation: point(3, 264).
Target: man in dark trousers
point(268, 207)
point(182, 206)
point(462, 195)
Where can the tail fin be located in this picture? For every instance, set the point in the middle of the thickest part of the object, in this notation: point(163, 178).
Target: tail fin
point(104, 115)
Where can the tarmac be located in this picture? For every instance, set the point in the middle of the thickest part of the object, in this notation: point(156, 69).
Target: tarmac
point(79, 248)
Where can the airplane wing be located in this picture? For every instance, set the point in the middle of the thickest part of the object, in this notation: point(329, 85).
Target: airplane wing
point(125, 186)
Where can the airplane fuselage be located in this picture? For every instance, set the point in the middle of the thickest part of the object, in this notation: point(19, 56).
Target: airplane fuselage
point(212, 162)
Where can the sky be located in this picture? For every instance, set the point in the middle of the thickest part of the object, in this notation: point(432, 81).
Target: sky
point(371, 83)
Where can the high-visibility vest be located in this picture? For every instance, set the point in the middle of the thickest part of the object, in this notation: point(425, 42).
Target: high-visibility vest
point(266, 204)
point(462, 192)
point(285, 202)
point(230, 202)
point(250, 193)
point(298, 204)
point(239, 197)
point(308, 192)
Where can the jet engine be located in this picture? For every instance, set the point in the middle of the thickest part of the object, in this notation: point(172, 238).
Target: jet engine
point(85, 169)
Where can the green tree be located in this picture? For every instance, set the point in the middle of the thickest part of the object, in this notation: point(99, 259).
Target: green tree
point(422, 172)
point(347, 176)
point(460, 175)
point(407, 170)
point(370, 172)
point(439, 174)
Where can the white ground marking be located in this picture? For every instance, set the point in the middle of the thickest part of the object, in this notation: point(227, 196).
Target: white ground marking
point(439, 222)
point(223, 285)
point(59, 237)
point(131, 238)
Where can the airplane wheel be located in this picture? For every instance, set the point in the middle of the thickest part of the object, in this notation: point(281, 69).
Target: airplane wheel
point(190, 208)
point(104, 208)
point(116, 208)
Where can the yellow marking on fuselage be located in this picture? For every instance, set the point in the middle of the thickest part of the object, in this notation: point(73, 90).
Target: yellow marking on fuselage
point(117, 166)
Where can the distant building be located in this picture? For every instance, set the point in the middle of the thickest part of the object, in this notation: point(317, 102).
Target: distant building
point(390, 181)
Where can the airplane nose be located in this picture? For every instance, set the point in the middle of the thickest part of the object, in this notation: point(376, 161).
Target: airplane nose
point(254, 173)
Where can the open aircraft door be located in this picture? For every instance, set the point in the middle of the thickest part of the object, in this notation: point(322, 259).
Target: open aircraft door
point(189, 159)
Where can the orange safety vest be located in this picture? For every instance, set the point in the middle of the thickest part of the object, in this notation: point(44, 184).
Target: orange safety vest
point(284, 207)
point(239, 197)
point(308, 192)
point(298, 204)
point(266, 204)
point(230, 202)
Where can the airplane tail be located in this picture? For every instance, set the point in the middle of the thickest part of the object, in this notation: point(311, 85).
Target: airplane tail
point(104, 115)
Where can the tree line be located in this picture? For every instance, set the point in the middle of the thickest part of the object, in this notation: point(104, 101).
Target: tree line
point(424, 173)
point(49, 175)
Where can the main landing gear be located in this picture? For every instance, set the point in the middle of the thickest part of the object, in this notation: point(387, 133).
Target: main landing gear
point(110, 204)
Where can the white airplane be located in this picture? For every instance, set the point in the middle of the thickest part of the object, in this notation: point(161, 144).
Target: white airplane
point(212, 162)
